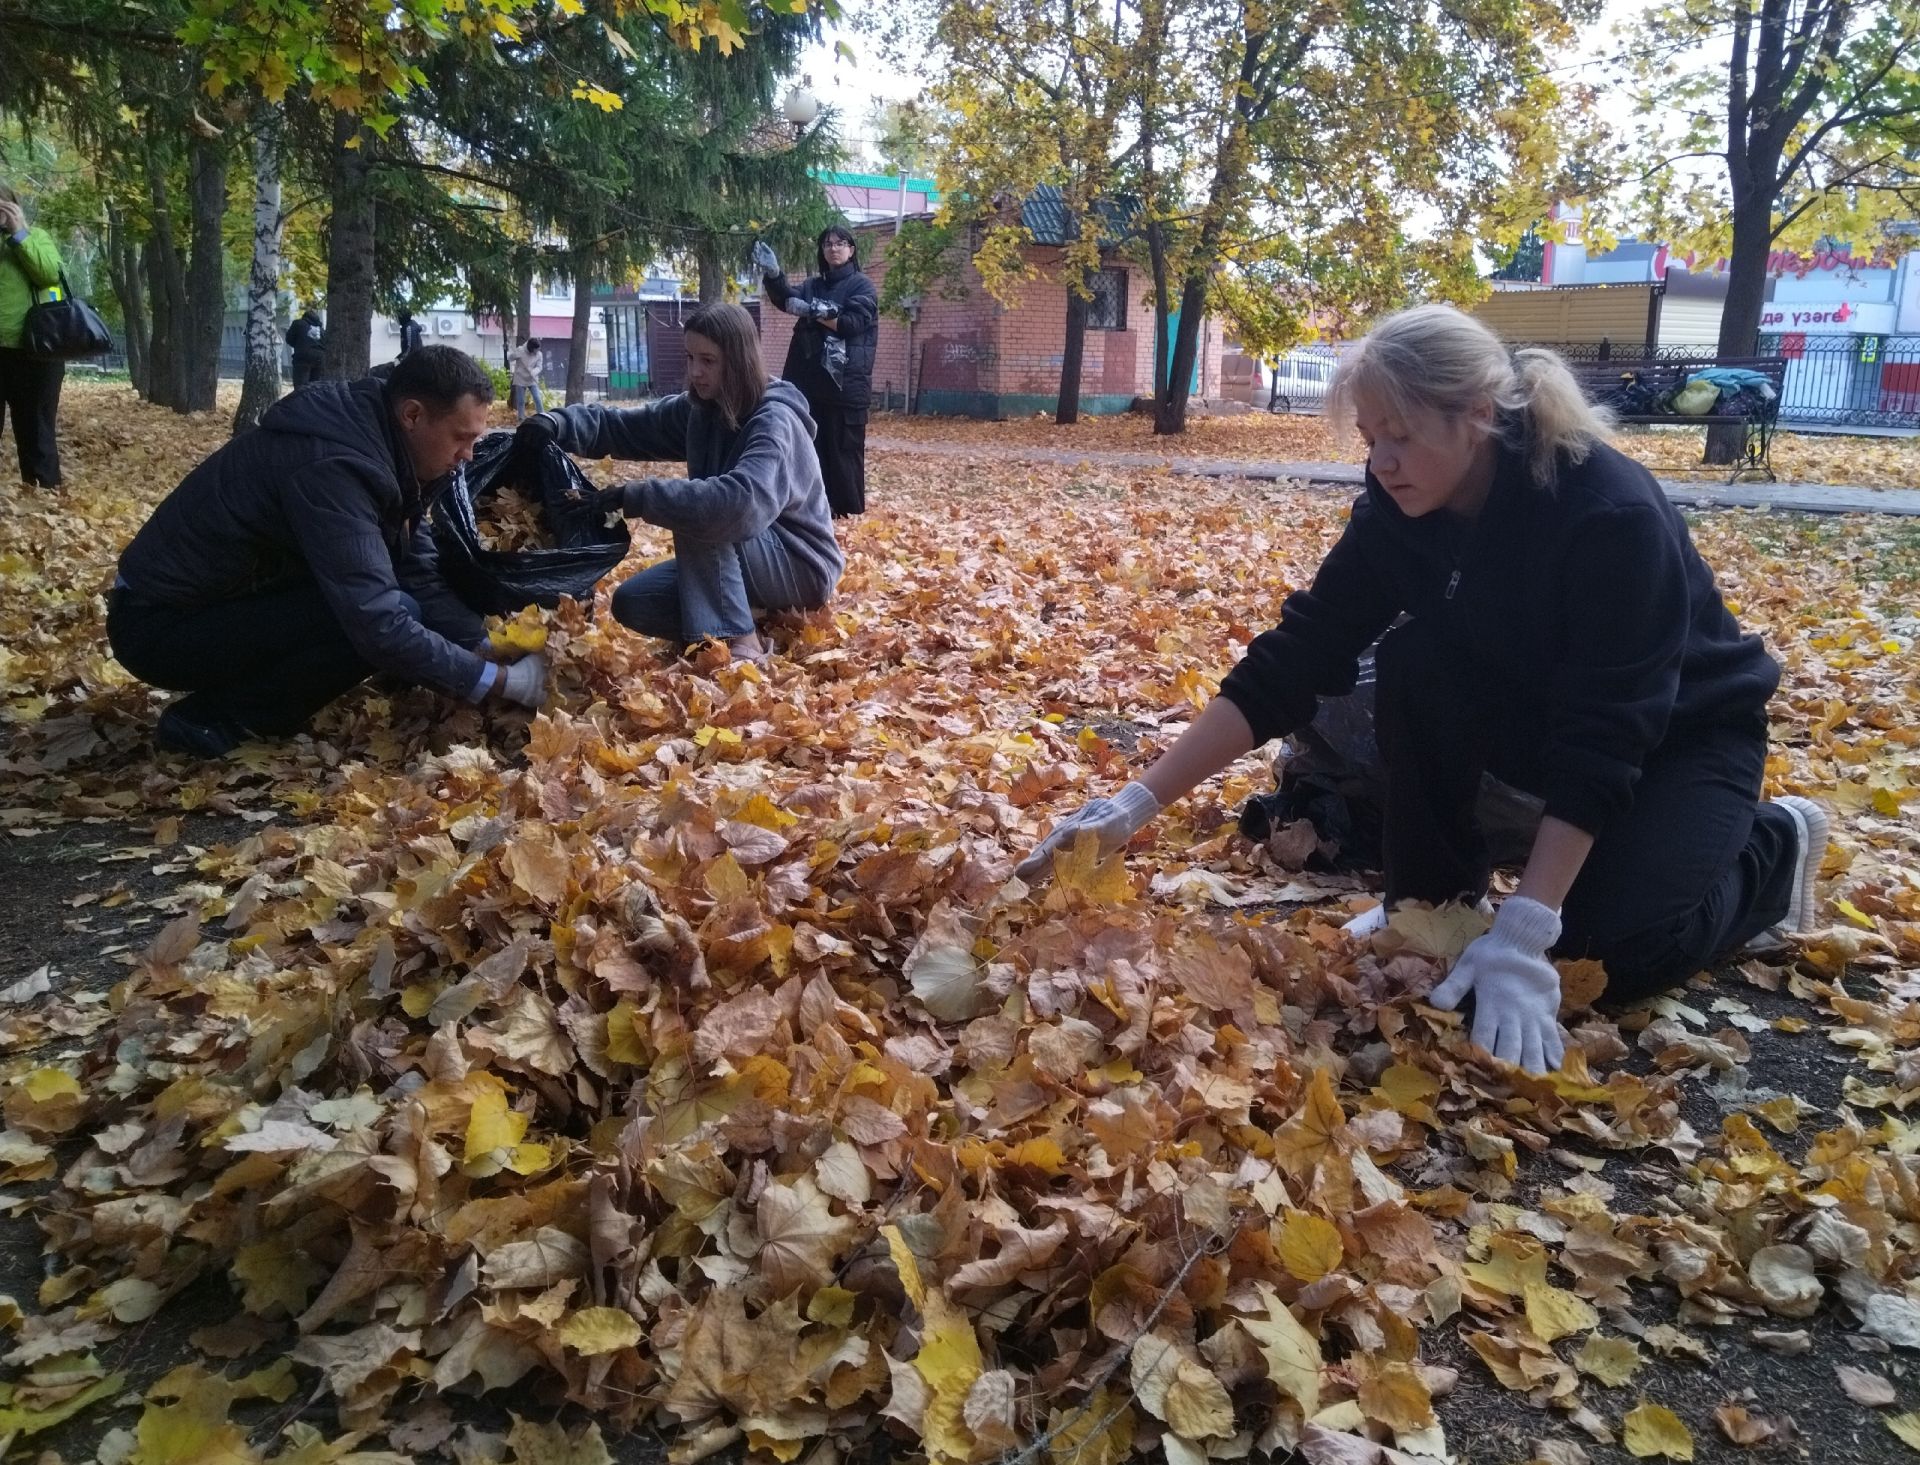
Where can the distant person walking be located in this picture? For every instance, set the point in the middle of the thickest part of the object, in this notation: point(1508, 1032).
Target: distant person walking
point(411, 334)
point(525, 366)
point(307, 339)
point(29, 386)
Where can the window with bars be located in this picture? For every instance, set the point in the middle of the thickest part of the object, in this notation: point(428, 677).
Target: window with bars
point(1107, 311)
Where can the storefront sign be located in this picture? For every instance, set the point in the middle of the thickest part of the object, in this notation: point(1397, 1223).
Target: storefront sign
point(1819, 318)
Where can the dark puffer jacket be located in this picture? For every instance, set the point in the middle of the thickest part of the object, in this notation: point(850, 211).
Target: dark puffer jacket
point(322, 490)
point(832, 365)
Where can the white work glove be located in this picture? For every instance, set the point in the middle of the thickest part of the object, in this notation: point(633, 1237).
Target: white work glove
point(1116, 820)
point(525, 681)
point(1516, 991)
point(796, 306)
point(765, 259)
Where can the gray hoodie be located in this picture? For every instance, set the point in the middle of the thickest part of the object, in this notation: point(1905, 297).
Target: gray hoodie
point(762, 476)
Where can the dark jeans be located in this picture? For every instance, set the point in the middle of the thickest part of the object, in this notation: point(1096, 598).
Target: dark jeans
point(1693, 868)
point(267, 662)
point(30, 395)
point(841, 443)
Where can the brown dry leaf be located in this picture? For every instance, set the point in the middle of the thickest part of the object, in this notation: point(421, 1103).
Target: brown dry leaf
point(800, 1236)
point(1741, 1426)
point(1871, 1389)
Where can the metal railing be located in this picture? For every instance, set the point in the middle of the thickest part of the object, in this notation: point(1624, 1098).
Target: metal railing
point(1849, 381)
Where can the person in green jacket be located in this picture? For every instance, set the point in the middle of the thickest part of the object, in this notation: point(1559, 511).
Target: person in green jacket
point(29, 388)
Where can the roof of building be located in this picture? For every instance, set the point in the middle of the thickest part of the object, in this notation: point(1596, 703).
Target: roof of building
point(1045, 214)
point(877, 180)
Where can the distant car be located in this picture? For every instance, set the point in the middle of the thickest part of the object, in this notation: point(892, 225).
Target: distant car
point(1298, 381)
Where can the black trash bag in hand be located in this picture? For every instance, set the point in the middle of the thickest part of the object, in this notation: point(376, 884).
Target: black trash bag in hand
point(501, 582)
point(1331, 774)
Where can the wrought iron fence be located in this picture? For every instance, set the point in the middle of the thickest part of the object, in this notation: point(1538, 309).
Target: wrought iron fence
point(1849, 381)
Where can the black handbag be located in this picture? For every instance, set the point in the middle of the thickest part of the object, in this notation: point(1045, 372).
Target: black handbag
point(64, 328)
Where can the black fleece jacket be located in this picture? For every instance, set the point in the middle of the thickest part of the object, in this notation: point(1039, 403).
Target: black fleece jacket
point(832, 365)
point(322, 490)
point(1583, 611)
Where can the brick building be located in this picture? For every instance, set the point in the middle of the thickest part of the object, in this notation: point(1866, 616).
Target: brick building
point(973, 357)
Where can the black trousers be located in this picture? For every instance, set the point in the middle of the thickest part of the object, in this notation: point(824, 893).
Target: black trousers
point(842, 446)
point(305, 369)
point(30, 394)
point(266, 662)
point(1696, 866)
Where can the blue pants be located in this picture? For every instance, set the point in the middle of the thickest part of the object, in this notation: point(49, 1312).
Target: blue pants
point(711, 590)
point(519, 396)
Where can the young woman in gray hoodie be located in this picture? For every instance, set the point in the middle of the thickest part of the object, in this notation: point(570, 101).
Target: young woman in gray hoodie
point(751, 527)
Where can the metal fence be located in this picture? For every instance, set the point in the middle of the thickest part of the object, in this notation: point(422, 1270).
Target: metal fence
point(1863, 381)
point(1849, 381)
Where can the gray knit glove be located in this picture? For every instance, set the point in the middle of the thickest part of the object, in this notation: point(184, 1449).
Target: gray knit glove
point(525, 681)
point(1516, 991)
point(764, 259)
point(1115, 820)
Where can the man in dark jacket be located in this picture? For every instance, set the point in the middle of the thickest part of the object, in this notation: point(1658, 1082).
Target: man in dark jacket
point(308, 340)
point(411, 335)
point(297, 561)
point(837, 316)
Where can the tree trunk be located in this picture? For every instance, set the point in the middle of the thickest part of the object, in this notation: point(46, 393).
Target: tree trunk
point(713, 274)
point(1170, 412)
point(260, 387)
point(1162, 317)
point(1067, 410)
point(526, 299)
point(123, 262)
point(582, 317)
point(206, 275)
point(349, 340)
point(1746, 301)
point(167, 287)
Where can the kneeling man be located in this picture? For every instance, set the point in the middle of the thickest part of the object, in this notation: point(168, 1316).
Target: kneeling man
point(297, 561)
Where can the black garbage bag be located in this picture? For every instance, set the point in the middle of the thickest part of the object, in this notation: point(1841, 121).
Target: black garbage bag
point(500, 582)
point(1330, 773)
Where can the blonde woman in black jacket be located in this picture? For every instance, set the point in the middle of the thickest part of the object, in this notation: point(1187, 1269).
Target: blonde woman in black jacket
point(1542, 614)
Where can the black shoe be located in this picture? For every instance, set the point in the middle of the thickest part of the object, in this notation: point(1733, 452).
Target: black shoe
point(178, 732)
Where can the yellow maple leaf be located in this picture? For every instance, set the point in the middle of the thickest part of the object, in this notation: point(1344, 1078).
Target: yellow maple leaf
point(525, 632)
point(596, 1330)
point(1098, 1432)
point(491, 1125)
point(1309, 1245)
point(1653, 1429)
point(1553, 1312)
point(1614, 1361)
point(1394, 1394)
point(1197, 1406)
point(1317, 1131)
point(1292, 1353)
point(1907, 1426)
point(1514, 1263)
point(1079, 870)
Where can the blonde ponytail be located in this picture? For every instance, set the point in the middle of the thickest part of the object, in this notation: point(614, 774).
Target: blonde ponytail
point(1441, 360)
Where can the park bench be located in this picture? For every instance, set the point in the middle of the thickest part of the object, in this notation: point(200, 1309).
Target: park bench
point(1603, 378)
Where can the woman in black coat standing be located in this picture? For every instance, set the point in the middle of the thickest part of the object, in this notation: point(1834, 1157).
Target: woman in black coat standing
point(837, 314)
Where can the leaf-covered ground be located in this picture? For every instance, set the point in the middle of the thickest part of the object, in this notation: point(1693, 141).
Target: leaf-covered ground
point(1674, 452)
point(688, 1053)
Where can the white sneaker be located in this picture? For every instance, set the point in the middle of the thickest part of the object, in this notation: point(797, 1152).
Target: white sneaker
point(1810, 826)
point(1364, 925)
point(1370, 922)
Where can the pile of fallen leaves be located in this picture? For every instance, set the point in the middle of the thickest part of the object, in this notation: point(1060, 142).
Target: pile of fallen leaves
point(692, 1054)
point(509, 521)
